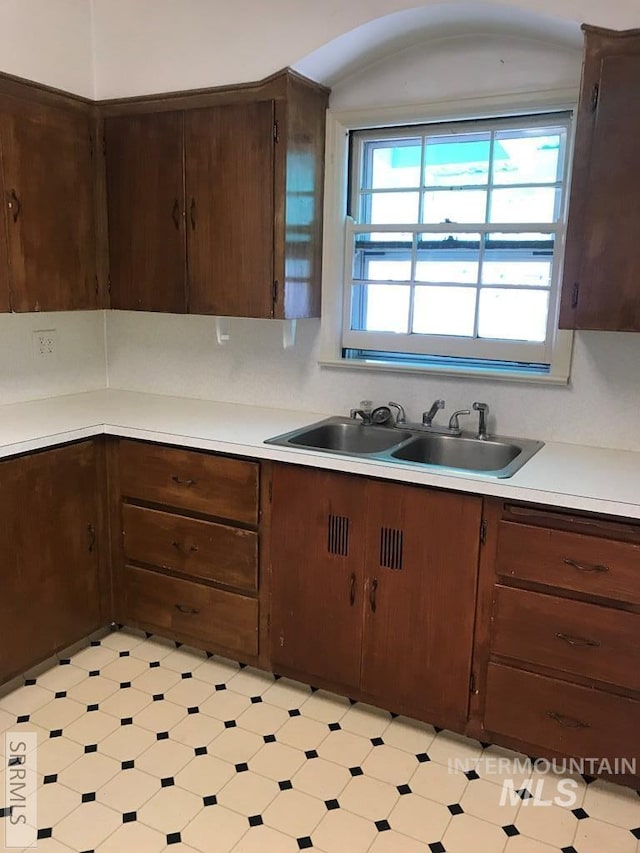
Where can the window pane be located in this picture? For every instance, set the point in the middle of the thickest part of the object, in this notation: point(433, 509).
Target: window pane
point(382, 257)
point(525, 204)
point(380, 308)
point(390, 208)
point(388, 165)
point(518, 259)
point(448, 258)
point(527, 156)
point(441, 206)
point(444, 311)
point(457, 160)
point(515, 315)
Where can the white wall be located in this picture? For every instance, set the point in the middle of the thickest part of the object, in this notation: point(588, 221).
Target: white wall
point(49, 41)
point(78, 364)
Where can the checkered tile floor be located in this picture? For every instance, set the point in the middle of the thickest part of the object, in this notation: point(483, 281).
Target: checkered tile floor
point(145, 747)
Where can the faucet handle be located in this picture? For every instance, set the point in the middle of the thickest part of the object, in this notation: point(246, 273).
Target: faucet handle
point(401, 417)
point(454, 423)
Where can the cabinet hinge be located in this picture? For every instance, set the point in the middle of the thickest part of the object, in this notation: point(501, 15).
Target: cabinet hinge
point(274, 292)
point(109, 284)
point(472, 683)
point(276, 131)
point(270, 491)
point(97, 286)
point(91, 145)
point(483, 532)
point(595, 97)
point(575, 293)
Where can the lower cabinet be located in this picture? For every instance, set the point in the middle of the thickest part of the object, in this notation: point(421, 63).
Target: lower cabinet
point(373, 589)
point(49, 544)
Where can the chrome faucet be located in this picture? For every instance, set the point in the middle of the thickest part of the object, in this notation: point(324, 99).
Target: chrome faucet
point(401, 417)
point(427, 417)
point(363, 412)
point(483, 410)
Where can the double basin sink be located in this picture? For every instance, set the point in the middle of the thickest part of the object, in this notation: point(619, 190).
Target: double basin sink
point(496, 456)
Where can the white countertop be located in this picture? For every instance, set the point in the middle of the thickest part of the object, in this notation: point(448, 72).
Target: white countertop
point(564, 475)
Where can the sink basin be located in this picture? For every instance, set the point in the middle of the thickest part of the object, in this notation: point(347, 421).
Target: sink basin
point(470, 454)
point(350, 437)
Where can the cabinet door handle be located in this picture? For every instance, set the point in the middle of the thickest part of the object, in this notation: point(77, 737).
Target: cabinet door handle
point(352, 589)
point(92, 537)
point(582, 642)
point(192, 214)
point(372, 595)
point(14, 205)
point(189, 611)
point(182, 549)
point(567, 722)
point(175, 214)
point(181, 482)
point(585, 567)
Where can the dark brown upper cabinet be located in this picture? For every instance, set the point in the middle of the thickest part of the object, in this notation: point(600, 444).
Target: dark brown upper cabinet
point(49, 210)
point(600, 282)
point(215, 200)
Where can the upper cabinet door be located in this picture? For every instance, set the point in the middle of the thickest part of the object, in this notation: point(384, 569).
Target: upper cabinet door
point(47, 155)
point(145, 192)
point(600, 283)
point(229, 184)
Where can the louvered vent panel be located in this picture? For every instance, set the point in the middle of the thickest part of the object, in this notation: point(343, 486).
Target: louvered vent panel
point(338, 535)
point(391, 545)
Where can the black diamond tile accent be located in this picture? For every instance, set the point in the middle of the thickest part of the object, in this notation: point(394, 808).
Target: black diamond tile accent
point(94, 673)
point(15, 761)
point(56, 733)
point(61, 694)
point(45, 833)
point(356, 771)
point(635, 832)
point(158, 697)
point(193, 710)
point(311, 753)
point(255, 700)
point(255, 820)
point(186, 675)
point(124, 654)
point(23, 718)
point(129, 817)
point(242, 665)
point(128, 765)
point(570, 849)
point(167, 782)
point(437, 729)
point(154, 664)
point(588, 779)
point(89, 798)
point(5, 812)
point(334, 727)
point(332, 804)
point(294, 712)
point(580, 814)
point(524, 794)
point(95, 643)
point(162, 735)
point(242, 767)
point(510, 830)
point(220, 687)
point(285, 785)
point(200, 750)
point(177, 644)
point(91, 708)
point(90, 747)
point(422, 757)
point(382, 825)
point(126, 721)
point(394, 715)
point(484, 745)
point(352, 701)
point(210, 800)
point(404, 789)
point(276, 676)
point(65, 661)
point(304, 843)
point(455, 808)
point(313, 689)
point(471, 775)
point(209, 654)
point(174, 838)
point(269, 738)
point(29, 682)
point(230, 724)
point(377, 741)
point(148, 635)
point(124, 685)
point(437, 847)
point(50, 779)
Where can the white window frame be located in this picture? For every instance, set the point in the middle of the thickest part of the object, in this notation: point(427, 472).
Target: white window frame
point(337, 257)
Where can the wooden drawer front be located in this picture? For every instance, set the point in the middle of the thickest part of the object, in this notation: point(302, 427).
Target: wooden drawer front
point(214, 485)
point(583, 639)
point(577, 721)
point(211, 616)
point(202, 549)
point(587, 564)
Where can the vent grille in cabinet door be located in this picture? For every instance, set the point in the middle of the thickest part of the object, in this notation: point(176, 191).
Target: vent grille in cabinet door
point(391, 548)
point(338, 535)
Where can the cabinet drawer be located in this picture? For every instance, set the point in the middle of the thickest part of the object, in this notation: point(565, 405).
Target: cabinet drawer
point(214, 485)
point(577, 721)
point(202, 549)
point(173, 606)
point(587, 564)
point(571, 636)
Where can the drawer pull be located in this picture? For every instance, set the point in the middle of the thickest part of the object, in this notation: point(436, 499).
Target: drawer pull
point(372, 595)
point(92, 537)
point(585, 567)
point(183, 550)
point(182, 482)
point(189, 611)
point(582, 642)
point(352, 589)
point(567, 722)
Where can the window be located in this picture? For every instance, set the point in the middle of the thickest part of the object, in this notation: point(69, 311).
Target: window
point(453, 243)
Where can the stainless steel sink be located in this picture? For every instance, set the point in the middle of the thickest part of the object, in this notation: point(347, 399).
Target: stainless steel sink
point(495, 457)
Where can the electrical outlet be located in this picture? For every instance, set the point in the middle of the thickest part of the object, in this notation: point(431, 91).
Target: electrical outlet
point(44, 344)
